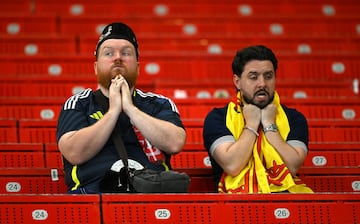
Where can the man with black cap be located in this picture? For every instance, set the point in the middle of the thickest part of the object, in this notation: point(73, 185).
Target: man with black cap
point(149, 124)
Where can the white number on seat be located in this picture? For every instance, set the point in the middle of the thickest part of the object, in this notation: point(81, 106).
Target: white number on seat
point(355, 185)
point(319, 160)
point(40, 214)
point(282, 213)
point(162, 213)
point(13, 187)
point(207, 161)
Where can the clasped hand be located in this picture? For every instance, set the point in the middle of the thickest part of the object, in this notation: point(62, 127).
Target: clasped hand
point(253, 115)
point(119, 94)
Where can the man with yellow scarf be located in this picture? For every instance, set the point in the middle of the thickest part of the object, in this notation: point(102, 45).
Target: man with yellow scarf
point(256, 144)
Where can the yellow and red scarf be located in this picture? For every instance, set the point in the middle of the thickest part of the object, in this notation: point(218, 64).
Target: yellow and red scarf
point(265, 172)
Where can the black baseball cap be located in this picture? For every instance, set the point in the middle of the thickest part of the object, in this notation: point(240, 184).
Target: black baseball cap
point(117, 31)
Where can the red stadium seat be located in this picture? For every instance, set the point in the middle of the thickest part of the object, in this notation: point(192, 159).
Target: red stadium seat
point(315, 159)
point(339, 134)
point(53, 158)
point(40, 44)
point(214, 44)
point(8, 131)
point(22, 155)
point(37, 131)
point(50, 208)
point(32, 181)
point(330, 179)
point(229, 92)
point(180, 67)
point(219, 208)
point(49, 66)
point(332, 183)
point(45, 89)
point(15, 24)
point(45, 112)
point(16, 6)
point(314, 113)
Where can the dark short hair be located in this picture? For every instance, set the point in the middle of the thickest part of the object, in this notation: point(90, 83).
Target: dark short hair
point(259, 52)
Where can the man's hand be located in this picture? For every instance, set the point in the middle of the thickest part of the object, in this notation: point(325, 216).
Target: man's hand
point(252, 115)
point(115, 94)
point(126, 97)
point(268, 115)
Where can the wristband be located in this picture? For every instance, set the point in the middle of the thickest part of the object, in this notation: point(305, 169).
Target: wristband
point(252, 130)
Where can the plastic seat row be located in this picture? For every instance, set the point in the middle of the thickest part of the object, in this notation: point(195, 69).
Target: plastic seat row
point(344, 135)
point(30, 155)
point(287, 88)
point(346, 157)
point(215, 102)
point(51, 87)
point(28, 89)
point(345, 27)
point(63, 44)
point(45, 112)
point(317, 162)
point(158, 8)
point(318, 179)
point(8, 130)
point(39, 44)
point(28, 175)
point(24, 25)
point(203, 2)
point(32, 180)
point(284, 91)
point(64, 90)
point(219, 208)
point(202, 182)
point(228, 45)
point(47, 155)
point(194, 102)
point(37, 147)
point(322, 111)
point(233, 27)
point(44, 131)
point(181, 67)
point(50, 208)
point(226, 83)
point(37, 168)
point(322, 170)
point(168, 84)
point(188, 208)
point(51, 180)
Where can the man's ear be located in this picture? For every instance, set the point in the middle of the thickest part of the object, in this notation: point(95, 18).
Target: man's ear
point(138, 69)
point(236, 81)
point(95, 66)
